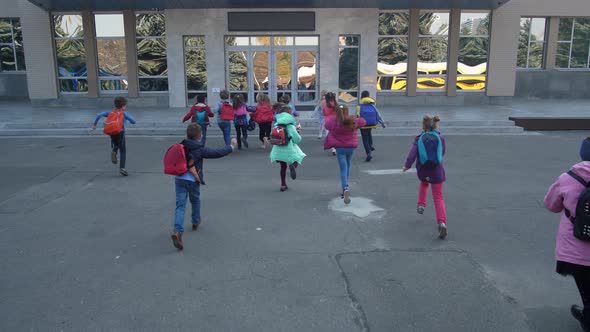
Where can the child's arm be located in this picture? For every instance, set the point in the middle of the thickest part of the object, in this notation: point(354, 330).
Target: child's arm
point(209, 113)
point(98, 116)
point(444, 145)
point(193, 170)
point(412, 156)
point(129, 118)
point(293, 134)
point(380, 119)
point(188, 115)
point(218, 153)
point(554, 199)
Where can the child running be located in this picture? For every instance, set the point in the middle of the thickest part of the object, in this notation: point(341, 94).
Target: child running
point(428, 151)
point(241, 120)
point(190, 182)
point(225, 112)
point(285, 151)
point(116, 124)
point(572, 250)
point(264, 116)
point(200, 113)
point(342, 136)
point(369, 112)
point(318, 113)
point(329, 110)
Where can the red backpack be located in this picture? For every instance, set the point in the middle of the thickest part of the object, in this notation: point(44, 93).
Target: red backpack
point(114, 123)
point(175, 160)
point(279, 136)
point(227, 112)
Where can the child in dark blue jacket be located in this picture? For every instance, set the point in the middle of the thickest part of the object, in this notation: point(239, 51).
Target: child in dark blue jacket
point(118, 141)
point(189, 183)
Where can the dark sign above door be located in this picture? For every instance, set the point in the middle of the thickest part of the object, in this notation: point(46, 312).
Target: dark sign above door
point(271, 21)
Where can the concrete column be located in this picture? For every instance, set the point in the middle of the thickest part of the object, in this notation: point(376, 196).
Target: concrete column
point(329, 49)
point(369, 51)
point(551, 43)
point(215, 32)
point(131, 48)
point(453, 57)
point(503, 52)
point(91, 55)
point(39, 51)
point(412, 84)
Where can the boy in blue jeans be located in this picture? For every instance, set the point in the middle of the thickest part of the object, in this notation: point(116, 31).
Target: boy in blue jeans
point(190, 182)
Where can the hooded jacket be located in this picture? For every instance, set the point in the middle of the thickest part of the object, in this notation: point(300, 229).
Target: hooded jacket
point(431, 174)
point(563, 194)
point(342, 137)
point(197, 108)
point(291, 152)
point(197, 152)
point(368, 101)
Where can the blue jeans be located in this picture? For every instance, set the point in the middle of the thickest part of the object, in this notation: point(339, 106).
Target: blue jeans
point(204, 137)
point(225, 127)
point(184, 187)
point(344, 155)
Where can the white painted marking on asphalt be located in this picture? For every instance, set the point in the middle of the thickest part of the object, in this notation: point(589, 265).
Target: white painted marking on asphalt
point(388, 171)
point(258, 229)
point(117, 257)
point(359, 206)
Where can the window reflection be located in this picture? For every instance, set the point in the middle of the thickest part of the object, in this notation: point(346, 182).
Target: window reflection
point(348, 68)
point(70, 53)
point(195, 67)
point(573, 46)
point(432, 50)
point(531, 45)
point(151, 52)
point(473, 51)
point(392, 60)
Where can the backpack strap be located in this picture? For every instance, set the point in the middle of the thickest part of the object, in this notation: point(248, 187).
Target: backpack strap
point(578, 178)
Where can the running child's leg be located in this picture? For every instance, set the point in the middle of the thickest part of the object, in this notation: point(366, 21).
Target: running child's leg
point(439, 203)
point(422, 194)
point(194, 196)
point(348, 159)
point(122, 150)
point(181, 193)
point(371, 139)
point(283, 173)
point(239, 137)
point(365, 133)
point(204, 137)
point(343, 164)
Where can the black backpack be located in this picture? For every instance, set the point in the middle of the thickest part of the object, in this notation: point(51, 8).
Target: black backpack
point(581, 220)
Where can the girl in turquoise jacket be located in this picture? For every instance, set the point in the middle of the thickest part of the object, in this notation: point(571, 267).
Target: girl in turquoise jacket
point(289, 154)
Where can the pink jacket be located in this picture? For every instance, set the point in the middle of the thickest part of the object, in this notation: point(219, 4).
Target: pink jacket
point(564, 193)
point(342, 137)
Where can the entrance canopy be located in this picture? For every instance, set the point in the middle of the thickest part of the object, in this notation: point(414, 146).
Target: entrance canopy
point(76, 5)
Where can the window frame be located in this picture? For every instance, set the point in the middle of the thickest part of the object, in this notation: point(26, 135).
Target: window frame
point(358, 65)
point(184, 49)
point(488, 37)
point(100, 79)
point(421, 36)
point(55, 39)
point(544, 42)
point(137, 39)
point(407, 37)
point(571, 46)
point(13, 45)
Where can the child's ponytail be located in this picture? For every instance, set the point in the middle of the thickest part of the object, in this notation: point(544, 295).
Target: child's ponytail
point(430, 123)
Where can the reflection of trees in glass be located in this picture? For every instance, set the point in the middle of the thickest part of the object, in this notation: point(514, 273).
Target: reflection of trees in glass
point(432, 49)
point(151, 55)
point(578, 46)
point(196, 69)
point(11, 33)
point(238, 71)
point(393, 50)
point(112, 59)
point(348, 78)
point(150, 25)
point(473, 51)
point(284, 70)
point(534, 50)
point(394, 24)
point(72, 23)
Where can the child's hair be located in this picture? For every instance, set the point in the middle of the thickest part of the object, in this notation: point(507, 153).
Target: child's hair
point(365, 94)
point(331, 100)
point(120, 102)
point(281, 108)
point(343, 118)
point(263, 98)
point(430, 123)
point(194, 131)
point(224, 94)
point(285, 99)
point(201, 99)
point(238, 101)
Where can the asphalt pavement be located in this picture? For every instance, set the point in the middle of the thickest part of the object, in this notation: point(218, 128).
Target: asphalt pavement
point(84, 249)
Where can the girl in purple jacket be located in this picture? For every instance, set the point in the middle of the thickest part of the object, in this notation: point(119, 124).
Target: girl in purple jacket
point(572, 254)
point(430, 175)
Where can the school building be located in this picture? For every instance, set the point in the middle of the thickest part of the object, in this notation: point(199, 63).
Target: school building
point(420, 52)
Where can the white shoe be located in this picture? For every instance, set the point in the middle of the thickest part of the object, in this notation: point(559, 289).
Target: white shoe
point(442, 230)
point(346, 196)
point(420, 209)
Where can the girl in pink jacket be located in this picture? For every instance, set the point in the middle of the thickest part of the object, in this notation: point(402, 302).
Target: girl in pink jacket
point(343, 137)
point(572, 254)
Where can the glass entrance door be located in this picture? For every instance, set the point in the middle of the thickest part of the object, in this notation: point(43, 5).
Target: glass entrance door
point(273, 65)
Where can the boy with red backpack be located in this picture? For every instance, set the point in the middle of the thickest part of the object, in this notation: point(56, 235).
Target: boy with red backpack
point(185, 160)
point(367, 110)
point(200, 113)
point(225, 112)
point(115, 127)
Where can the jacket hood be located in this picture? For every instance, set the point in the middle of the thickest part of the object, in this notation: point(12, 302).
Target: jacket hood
point(582, 169)
point(286, 119)
point(367, 100)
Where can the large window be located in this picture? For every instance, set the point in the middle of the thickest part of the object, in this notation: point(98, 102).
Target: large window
point(392, 63)
point(531, 44)
point(573, 48)
point(12, 54)
point(112, 54)
point(195, 67)
point(348, 68)
point(151, 52)
point(473, 51)
point(433, 45)
point(68, 33)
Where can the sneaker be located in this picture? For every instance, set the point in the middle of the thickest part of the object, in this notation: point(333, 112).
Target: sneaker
point(333, 151)
point(245, 143)
point(420, 209)
point(292, 172)
point(320, 137)
point(578, 314)
point(442, 230)
point(196, 226)
point(177, 240)
point(369, 158)
point(265, 144)
point(284, 188)
point(346, 196)
point(114, 157)
point(372, 149)
point(123, 172)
